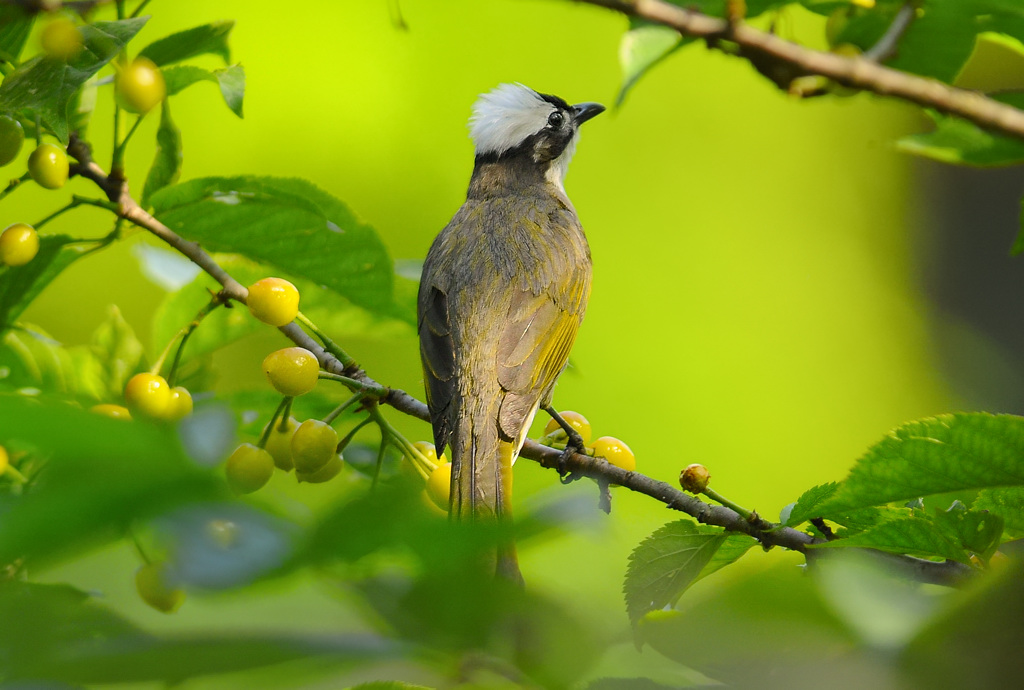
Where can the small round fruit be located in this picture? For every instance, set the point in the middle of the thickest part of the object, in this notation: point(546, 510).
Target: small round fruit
point(430, 452)
point(249, 468)
point(292, 370)
point(61, 39)
point(112, 411)
point(151, 583)
point(615, 452)
point(575, 420)
point(279, 443)
point(140, 86)
point(180, 406)
point(12, 136)
point(439, 486)
point(326, 473)
point(19, 244)
point(274, 301)
point(148, 395)
point(224, 533)
point(694, 478)
point(313, 444)
point(5, 460)
point(48, 166)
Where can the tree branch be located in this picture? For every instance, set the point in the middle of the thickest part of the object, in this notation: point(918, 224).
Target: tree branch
point(860, 73)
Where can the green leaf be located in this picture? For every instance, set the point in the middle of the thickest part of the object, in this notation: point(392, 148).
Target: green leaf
point(907, 535)
point(953, 452)
point(336, 315)
point(167, 163)
point(963, 143)
point(1007, 503)
point(199, 40)
point(37, 361)
point(664, 564)
point(46, 87)
point(19, 285)
point(976, 531)
point(15, 27)
point(643, 47)
point(289, 224)
point(730, 551)
point(100, 475)
point(809, 502)
point(230, 80)
point(118, 354)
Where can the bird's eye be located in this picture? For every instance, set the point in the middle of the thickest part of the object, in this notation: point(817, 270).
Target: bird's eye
point(555, 119)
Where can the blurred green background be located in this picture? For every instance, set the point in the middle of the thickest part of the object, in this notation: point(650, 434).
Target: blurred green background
point(757, 302)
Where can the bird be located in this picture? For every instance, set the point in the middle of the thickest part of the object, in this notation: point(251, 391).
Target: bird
point(503, 292)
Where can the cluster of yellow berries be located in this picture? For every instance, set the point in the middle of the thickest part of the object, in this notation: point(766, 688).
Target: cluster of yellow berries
point(615, 451)
point(149, 396)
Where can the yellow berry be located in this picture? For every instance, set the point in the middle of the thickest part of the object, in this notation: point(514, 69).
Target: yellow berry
point(274, 301)
point(439, 486)
point(326, 473)
point(48, 166)
point(61, 39)
point(249, 468)
point(430, 452)
point(575, 420)
point(148, 395)
point(615, 452)
point(292, 370)
point(112, 411)
point(140, 86)
point(180, 405)
point(19, 244)
point(279, 443)
point(5, 460)
point(313, 444)
point(151, 584)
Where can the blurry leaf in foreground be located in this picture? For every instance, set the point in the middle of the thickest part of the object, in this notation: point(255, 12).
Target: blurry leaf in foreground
point(1008, 503)
point(99, 475)
point(209, 433)
point(961, 142)
point(19, 285)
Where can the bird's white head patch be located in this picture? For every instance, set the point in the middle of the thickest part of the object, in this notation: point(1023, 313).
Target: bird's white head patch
point(506, 116)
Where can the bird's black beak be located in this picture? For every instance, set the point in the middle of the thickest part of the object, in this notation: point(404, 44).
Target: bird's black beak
point(585, 111)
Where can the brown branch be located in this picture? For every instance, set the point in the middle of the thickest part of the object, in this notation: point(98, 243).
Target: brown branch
point(767, 534)
point(858, 72)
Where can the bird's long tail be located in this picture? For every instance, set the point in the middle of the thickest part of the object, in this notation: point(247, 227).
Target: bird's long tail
point(482, 478)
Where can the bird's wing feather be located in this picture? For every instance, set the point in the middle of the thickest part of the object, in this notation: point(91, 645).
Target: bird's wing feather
point(438, 356)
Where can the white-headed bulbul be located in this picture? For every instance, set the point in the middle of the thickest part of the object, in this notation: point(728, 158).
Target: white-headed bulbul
point(503, 292)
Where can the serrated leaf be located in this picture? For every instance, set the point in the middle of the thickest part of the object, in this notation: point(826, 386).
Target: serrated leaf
point(117, 352)
point(730, 551)
point(38, 361)
point(46, 87)
point(336, 315)
point(976, 531)
point(664, 564)
point(166, 166)
point(1007, 503)
point(907, 535)
point(809, 502)
point(289, 224)
point(963, 143)
point(199, 40)
point(952, 452)
point(15, 27)
point(230, 80)
point(19, 285)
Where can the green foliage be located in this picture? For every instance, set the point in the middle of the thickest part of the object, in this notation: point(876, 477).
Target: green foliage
point(961, 142)
point(230, 80)
point(200, 40)
point(167, 164)
point(47, 87)
point(21, 284)
point(15, 26)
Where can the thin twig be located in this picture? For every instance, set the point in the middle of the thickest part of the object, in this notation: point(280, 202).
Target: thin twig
point(858, 73)
point(888, 45)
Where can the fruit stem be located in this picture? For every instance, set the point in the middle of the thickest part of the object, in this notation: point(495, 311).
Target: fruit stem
point(343, 443)
point(286, 403)
point(342, 407)
point(74, 203)
point(329, 344)
point(142, 6)
point(185, 333)
point(13, 184)
point(715, 496)
point(418, 460)
point(138, 546)
point(377, 391)
point(384, 440)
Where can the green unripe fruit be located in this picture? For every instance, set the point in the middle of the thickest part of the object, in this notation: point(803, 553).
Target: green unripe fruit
point(140, 86)
point(148, 395)
point(12, 136)
point(279, 443)
point(249, 468)
point(326, 473)
point(19, 244)
point(313, 444)
point(61, 39)
point(151, 584)
point(48, 166)
point(273, 301)
point(292, 370)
